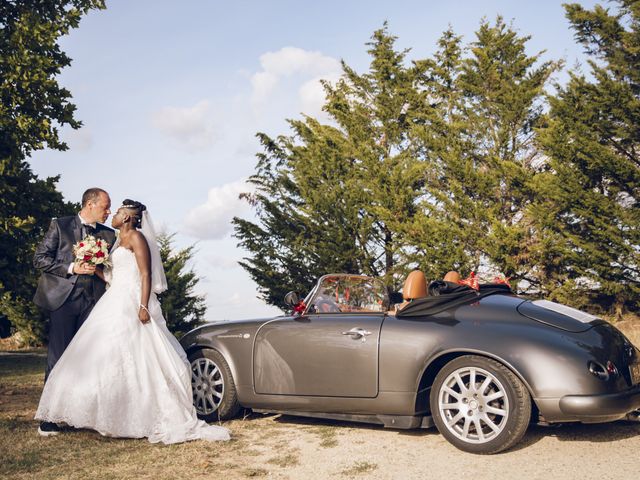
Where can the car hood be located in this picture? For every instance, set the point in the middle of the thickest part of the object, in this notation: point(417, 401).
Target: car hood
point(224, 326)
point(558, 315)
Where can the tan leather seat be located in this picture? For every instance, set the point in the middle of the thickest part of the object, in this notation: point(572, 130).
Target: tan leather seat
point(415, 286)
point(452, 276)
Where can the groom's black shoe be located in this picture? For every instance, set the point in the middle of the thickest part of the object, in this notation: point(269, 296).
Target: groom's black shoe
point(48, 429)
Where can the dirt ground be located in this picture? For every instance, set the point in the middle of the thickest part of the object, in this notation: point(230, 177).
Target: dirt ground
point(286, 447)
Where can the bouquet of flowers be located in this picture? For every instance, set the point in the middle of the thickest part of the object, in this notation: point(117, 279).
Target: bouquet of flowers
point(91, 250)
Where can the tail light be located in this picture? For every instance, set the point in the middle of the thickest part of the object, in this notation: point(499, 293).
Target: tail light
point(603, 372)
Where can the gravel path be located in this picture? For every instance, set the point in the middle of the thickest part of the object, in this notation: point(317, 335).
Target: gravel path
point(605, 451)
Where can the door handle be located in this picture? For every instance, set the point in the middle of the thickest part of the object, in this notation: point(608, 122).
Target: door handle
point(357, 333)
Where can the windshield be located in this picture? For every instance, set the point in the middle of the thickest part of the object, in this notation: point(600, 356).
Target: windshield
point(348, 294)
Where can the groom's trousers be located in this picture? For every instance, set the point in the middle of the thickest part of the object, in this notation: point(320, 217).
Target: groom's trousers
point(66, 321)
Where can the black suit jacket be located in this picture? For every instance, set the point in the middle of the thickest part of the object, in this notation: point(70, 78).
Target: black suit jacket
point(53, 256)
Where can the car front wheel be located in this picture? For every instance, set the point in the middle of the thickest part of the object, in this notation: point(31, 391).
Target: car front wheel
point(214, 391)
point(479, 405)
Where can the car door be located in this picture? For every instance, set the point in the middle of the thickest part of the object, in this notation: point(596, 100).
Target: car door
point(318, 354)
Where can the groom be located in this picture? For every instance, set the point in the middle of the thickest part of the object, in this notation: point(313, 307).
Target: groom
point(69, 290)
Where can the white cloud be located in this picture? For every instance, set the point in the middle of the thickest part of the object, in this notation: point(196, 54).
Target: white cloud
point(263, 84)
point(289, 61)
point(222, 262)
point(212, 219)
point(192, 127)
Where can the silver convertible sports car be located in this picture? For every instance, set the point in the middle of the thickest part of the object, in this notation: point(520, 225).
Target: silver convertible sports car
point(480, 364)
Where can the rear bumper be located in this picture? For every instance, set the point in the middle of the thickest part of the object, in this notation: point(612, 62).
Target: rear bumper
point(601, 408)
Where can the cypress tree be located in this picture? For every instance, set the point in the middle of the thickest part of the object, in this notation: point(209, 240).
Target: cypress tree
point(329, 198)
point(588, 198)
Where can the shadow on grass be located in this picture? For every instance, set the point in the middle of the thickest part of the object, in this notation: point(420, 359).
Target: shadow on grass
point(18, 364)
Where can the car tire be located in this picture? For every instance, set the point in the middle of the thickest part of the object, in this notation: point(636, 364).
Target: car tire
point(479, 405)
point(214, 391)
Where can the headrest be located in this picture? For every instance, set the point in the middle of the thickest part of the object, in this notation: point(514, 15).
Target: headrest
point(452, 276)
point(415, 286)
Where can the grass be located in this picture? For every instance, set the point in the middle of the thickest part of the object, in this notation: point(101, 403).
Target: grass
point(327, 436)
point(359, 468)
point(287, 460)
point(255, 472)
point(261, 446)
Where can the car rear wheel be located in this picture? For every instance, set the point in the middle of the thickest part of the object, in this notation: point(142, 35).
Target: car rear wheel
point(479, 405)
point(214, 391)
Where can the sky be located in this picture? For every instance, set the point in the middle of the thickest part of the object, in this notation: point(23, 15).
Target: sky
point(171, 95)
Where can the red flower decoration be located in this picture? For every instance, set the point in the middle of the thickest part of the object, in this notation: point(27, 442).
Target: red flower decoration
point(99, 254)
point(471, 281)
point(87, 258)
point(502, 281)
point(299, 308)
point(81, 244)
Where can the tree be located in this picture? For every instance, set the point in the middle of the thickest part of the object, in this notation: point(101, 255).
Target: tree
point(504, 90)
point(26, 207)
point(436, 238)
point(375, 112)
point(32, 100)
point(307, 223)
point(427, 166)
point(182, 309)
point(330, 197)
point(452, 163)
point(588, 197)
point(33, 106)
point(479, 150)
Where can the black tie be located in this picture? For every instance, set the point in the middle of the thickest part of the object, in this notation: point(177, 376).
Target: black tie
point(87, 230)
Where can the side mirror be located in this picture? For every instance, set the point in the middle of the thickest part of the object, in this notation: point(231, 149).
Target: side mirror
point(292, 299)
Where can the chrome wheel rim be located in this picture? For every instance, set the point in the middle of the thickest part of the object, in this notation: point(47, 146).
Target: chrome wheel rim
point(473, 405)
point(207, 385)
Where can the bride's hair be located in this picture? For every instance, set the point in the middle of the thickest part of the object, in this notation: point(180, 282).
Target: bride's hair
point(136, 208)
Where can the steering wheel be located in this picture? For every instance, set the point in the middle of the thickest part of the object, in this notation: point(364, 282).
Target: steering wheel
point(326, 305)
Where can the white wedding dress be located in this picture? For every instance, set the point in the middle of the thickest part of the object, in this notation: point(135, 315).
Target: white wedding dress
point(124, 378)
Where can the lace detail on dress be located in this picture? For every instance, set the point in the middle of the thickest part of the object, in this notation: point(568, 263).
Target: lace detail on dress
point(123, 378)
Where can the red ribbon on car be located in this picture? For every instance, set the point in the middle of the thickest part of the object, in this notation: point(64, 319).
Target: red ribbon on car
point(300, 307)
point(502, 281)
point(471, 281)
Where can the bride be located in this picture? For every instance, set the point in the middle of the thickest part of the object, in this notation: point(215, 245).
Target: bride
point(124, 374)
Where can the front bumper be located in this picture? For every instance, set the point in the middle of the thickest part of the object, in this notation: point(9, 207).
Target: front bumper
point(601, 408)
